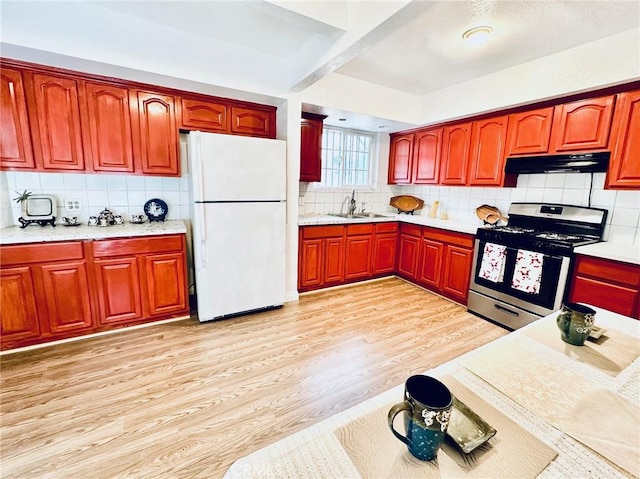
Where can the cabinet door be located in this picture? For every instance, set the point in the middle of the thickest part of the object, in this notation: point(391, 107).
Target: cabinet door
point(582, 125)
point(247, 121)
point(66, 292)
point(455, 154)
point(310, 149)
point(426, 156)
point(205, 116)
point(15, 142)
point(400, 159)
point(107, 121)
point(56, 127)
point(166, 283)
point(118, 288)
point(384, 253)
point(156, 135)
point(310, 270)
point(358, 257)
point(624, 167)
point(408, 256)
point(529, 132)
point(488, 144)
point(19, 314)
point(334, 260)
point(457, 272)
point(431, 253)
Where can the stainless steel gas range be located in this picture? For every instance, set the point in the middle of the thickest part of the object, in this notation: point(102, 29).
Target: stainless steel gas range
point(520, 271)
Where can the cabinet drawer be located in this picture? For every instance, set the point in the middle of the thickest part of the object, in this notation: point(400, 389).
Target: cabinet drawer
point(618, 299)
point(610, 271)
point(145, 244)
point(310, 232)
point(451, 237)
point(407, 229)
point(360, 229)
point(41, 253)
point(386, 227)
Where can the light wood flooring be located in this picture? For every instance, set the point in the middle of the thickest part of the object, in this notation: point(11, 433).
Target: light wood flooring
point(185, 400)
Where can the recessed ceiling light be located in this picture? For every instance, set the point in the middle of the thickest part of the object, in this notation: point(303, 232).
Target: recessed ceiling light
point(477, 34)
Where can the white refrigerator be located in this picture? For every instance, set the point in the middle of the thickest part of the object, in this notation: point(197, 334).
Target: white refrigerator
point(239, 223)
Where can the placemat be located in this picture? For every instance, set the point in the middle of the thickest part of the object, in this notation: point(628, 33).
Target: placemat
point(512, 452)
point(557, 395)
point(611, 353)
point(612, 428)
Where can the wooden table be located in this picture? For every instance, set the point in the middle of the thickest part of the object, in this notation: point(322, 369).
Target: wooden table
point(316, 451)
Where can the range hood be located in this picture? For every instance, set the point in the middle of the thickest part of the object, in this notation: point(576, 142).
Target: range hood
point(574, 163)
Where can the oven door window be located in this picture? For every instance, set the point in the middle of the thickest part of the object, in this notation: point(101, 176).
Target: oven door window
point(527, 275)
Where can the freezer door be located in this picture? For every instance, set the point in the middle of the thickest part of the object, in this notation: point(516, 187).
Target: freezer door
point(239, 257)
point(237, 168)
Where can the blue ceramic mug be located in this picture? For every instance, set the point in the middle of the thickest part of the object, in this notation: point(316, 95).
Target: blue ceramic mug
point(427, 407)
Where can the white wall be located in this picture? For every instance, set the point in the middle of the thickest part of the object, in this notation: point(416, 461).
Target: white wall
point(289, 128)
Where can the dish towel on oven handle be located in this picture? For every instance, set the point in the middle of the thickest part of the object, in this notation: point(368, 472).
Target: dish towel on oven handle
point(493, 261)
point(528, 271)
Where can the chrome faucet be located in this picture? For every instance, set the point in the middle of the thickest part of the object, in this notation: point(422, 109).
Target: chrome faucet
point(352, 203)
point(345, 200)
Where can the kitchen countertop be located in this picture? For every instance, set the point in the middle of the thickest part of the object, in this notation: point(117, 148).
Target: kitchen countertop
point(606, 250)
point(38, 234)
point(626, 253)
point(469, 227)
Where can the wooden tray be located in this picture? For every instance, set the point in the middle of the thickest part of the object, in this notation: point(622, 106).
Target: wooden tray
point(490, 214)
point(406, 203)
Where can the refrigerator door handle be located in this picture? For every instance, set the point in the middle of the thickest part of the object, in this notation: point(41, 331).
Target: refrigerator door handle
point(203, 237)
point(198, 183)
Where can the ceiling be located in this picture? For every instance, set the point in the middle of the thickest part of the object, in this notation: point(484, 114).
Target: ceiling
point(409, 46)
point(428, 52)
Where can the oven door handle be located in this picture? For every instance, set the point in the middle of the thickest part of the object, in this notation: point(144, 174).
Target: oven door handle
point(506, 310)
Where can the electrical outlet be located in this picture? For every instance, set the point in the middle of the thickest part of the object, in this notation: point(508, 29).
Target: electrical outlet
point(300, 200)
point(72, 205)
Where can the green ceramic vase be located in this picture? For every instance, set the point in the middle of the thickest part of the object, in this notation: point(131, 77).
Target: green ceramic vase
point(575, 321)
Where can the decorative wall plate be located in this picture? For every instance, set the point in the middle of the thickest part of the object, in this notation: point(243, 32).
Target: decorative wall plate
point(156, 209)
point(406, 203)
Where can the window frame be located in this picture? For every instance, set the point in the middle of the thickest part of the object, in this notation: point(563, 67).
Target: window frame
point(372, 160)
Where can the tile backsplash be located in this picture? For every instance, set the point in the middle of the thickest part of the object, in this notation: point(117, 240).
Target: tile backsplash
point(623, 220)
point(126, 195)
point(122, 194)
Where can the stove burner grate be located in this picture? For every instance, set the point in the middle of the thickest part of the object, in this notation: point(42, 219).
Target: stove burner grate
point(558, 236)
point(516, 229)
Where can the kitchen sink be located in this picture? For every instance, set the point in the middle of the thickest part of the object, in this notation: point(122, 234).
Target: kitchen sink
point(345, 215)
point(371, 215)
point(358, 215)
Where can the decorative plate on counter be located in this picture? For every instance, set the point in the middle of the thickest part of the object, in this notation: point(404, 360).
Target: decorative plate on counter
point(406, 203)
point(156, 209)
